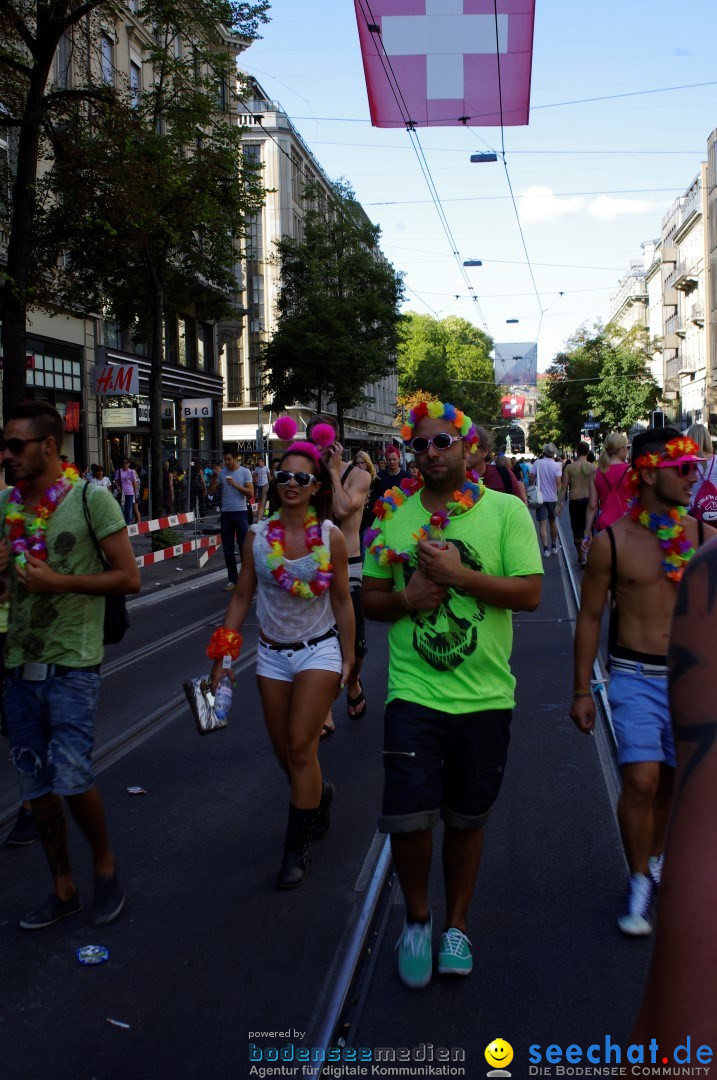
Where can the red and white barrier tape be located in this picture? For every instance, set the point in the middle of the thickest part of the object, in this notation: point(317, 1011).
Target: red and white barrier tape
point(212, 542)
point(160, 523)
point(204, 559)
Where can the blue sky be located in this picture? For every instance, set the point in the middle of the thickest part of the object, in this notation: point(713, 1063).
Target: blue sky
point(592, 180)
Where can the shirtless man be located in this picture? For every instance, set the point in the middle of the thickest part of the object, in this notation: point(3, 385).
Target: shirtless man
point(664, 469)
point(576, 480)
point(350, 490)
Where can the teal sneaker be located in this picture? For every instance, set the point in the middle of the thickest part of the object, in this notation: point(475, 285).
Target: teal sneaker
point(454, 953)
point(415, 963)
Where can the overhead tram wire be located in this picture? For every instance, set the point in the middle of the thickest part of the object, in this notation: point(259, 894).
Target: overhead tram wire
point(420, 155)
point(507, 174)
point(548, 105)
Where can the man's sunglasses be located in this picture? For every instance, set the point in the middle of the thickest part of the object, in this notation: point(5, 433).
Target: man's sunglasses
point(441, 441)
point(684, 468)
point(303, 479)
point(16, 446)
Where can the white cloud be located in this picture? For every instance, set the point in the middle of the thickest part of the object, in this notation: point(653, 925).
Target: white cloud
point(541, 204)
point(607, 209)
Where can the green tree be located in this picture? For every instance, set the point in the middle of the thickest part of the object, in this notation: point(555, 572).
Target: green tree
point(626, 391)
point(338, 307)
point(161, 179)
point(449, 358)
point(545, 427)
point(40, 115)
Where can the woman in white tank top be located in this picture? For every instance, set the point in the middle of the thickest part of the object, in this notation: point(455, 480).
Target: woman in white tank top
point(297, 564)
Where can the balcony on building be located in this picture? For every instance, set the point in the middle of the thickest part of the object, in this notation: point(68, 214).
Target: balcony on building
point(697, 314)
point(688, 364)
point(686, 276)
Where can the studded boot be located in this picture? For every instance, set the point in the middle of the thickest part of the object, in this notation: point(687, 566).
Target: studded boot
point(324, 816)
point(299, 834)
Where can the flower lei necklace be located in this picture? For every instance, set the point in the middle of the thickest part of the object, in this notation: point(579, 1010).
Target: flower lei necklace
point(393, 499)
point(276, 558)
point(30, 539)
point(670, 534)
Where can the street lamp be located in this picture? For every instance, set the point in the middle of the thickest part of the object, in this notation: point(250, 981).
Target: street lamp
point(472, 262)
point(511, 320)
point(481, 158)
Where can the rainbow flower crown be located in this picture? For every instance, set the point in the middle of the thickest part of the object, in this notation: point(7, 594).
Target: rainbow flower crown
point(439, 410)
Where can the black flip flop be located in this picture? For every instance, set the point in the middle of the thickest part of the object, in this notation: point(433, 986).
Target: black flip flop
point(355, 702)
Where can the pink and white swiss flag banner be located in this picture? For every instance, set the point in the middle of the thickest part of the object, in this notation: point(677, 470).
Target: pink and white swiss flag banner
point(435, 62)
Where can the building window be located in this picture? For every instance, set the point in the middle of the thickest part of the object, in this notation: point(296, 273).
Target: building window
point(64, 61)
point(135, 82)
point(205, 347)
point(108, 68)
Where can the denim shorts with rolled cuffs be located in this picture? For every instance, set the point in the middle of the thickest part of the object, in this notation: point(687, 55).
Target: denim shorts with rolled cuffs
point(50, 719)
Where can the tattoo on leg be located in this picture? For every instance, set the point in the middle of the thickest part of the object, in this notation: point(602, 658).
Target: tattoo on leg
point(49, 817)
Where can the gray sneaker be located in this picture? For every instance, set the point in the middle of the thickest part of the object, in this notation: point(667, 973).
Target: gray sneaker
point(52, 911)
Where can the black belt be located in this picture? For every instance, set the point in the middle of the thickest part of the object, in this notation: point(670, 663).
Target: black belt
point(32, 671)
point(294, 646)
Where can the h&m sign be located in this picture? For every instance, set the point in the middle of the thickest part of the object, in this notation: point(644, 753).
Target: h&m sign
point(114, 380)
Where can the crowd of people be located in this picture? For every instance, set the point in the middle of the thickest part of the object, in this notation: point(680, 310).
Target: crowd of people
point(440, 545)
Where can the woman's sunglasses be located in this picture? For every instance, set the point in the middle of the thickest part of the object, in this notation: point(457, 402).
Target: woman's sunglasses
point(441, 441)
point(303, 479)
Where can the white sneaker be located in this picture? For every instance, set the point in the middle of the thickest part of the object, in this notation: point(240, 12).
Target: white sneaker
point(553, 550)
point(546, 553)
point(634, 920)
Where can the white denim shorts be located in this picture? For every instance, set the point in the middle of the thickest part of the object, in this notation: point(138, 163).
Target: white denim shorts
point(285, 664)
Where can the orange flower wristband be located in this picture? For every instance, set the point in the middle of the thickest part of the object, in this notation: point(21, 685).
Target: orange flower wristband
point(224, 642)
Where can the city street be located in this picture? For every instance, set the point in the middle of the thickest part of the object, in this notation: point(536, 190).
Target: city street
point(208, 956)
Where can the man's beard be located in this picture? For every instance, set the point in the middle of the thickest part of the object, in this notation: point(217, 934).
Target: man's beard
point(452, 480)
point(668, 501)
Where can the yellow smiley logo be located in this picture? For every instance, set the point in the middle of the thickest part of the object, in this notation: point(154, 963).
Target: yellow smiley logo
point(499, 1053)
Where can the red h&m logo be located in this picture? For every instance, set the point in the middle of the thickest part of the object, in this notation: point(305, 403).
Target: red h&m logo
point(115, 379)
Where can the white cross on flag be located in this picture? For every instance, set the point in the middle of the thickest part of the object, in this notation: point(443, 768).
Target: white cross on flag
point(443, 62)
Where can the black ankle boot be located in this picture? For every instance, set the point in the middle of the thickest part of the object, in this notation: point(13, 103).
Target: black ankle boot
point(299, 834)
point(324, 814)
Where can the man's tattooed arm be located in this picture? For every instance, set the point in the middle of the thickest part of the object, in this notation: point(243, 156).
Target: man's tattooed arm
point(681, 990)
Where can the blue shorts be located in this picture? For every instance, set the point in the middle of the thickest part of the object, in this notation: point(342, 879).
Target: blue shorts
point(50, 725)
point(641, 715)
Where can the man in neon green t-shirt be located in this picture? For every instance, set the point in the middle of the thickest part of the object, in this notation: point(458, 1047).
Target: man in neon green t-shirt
point(449, 598)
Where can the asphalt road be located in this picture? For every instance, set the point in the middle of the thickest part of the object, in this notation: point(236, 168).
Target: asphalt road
point(209, 956)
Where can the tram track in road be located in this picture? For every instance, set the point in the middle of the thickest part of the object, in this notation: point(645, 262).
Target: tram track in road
point(133, 737)
point(347, 984)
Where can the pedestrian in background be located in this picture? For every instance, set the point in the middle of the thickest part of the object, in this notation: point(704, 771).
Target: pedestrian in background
point(296, 562)
point(127, 482)
point(55, 645)
point(641, 567)
point(548, 474)
point(609, 487)
point(236, 488)
point(575, 488)
point(392, 475)
point(703, 500)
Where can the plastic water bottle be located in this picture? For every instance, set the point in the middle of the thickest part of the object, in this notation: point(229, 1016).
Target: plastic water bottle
point(223, 698)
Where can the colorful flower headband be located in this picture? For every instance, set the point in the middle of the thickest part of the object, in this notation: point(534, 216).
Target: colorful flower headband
point(321, 437)
point(438, 410)
point(674, 452)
